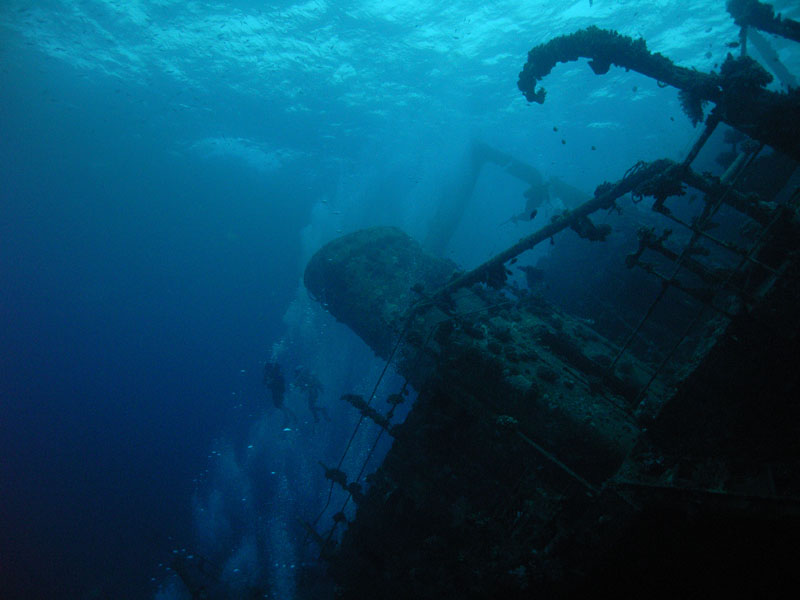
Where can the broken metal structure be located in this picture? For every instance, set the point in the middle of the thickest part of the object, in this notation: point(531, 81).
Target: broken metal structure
point(544, 457)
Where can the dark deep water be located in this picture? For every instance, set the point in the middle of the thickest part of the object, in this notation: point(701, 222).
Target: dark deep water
point(136, 285)
point(155, 220)
point(132, 296)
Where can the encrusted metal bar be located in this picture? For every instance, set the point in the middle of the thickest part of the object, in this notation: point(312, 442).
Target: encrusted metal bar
point(711, 124)
point(604, 199)
point(762, 16)
point(738, 90)
point(742, 252)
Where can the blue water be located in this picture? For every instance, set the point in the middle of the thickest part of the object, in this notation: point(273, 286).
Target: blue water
point(167, 168)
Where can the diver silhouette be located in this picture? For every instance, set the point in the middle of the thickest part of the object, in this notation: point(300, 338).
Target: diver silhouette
point(308, 383)
point(274, 381)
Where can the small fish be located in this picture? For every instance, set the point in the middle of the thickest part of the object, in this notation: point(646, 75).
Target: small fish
point(732, 44)
point(555, 128)
point(534, 212)
point(594, 147)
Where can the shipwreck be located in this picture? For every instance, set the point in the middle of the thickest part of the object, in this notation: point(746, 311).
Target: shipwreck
point(548, 456)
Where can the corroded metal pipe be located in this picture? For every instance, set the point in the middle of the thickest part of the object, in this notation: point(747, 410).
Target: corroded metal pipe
point(365, 280)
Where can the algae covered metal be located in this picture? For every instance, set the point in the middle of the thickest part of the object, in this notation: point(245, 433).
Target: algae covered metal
point(546, 455)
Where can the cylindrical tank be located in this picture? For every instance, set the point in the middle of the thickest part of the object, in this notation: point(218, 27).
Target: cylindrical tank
point(364, 279)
